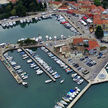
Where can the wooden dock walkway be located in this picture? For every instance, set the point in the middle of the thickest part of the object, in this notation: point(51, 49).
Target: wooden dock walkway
point(12, 71)
point(50, 76)
point(78, 96)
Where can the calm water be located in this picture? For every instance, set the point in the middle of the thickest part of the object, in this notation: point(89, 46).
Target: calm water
point(43, 28)
point(39, 94)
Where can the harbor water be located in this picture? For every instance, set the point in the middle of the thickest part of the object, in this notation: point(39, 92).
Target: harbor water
point(43, 28)
point(39, 94)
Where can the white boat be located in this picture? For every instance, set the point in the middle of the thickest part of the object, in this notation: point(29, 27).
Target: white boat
point(65, 99)
point(17, 67)
point(54, 73)
point(19, 50)
point(77, 89)
point(38, 72)
point(60, 104)
point(107, 67)
point(57, 106)
point(63, 102)
point(61, 81)
point(25, 77)
point(80, 81)
point(25, 84)
point(48, 81)
point(74, 75)
point(29, 61)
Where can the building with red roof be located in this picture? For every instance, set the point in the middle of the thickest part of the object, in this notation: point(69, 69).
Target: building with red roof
point(91, 45)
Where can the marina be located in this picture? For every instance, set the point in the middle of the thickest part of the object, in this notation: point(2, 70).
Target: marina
point(31, 71)
point(65, 75)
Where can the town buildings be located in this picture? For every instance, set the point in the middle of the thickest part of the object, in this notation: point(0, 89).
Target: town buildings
point(97, 14)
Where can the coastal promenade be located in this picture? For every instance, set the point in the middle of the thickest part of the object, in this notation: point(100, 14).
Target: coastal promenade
point(50, 76)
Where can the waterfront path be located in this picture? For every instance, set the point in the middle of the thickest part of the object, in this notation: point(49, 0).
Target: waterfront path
point(39, 64)
point(78, 96)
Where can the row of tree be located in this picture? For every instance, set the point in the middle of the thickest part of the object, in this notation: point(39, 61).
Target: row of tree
point(20, 8)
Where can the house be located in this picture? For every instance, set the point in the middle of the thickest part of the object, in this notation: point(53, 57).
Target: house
point(93, 46)
point(86, 44)
point(101, 20)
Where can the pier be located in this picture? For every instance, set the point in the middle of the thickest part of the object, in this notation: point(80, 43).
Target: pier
point(50, 76)
point(12, 71)
point(78, 96)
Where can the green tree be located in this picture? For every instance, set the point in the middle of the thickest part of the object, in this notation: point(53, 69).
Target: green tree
point(45, 5)
point(105, 4)
point(20, 9)
point(97, 2)
point(13, 12)
point(40, 6)
point(99, 32)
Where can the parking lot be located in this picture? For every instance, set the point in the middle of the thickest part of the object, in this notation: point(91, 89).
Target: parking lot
point(89, 66)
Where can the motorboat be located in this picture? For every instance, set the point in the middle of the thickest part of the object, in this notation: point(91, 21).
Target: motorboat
point(60, 104)
point(29, 61)
point(63, 102)
point(25, 84)
point(61, 81)
point(80, 81)
point(65, 99)
point(54, 73)
point(57, 106)
point(74, 75)
point(48, 81)
point(69, 97)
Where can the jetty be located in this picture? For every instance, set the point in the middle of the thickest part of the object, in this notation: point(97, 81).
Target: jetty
point(12, 71)
point(78, 96)
point(50, 76)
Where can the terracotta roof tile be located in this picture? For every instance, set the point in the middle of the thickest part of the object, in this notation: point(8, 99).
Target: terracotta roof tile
point(93, 44)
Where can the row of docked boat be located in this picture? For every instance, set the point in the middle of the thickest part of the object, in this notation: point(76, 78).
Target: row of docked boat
point(30, 61)
point(8, 24)
point(77, 78)
point(47, 67)
point(67, 69)
point(68, 98)
point(44, 64)
point(46, 16)
point(63, 21)
point(57, 60)
point(17, 68)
